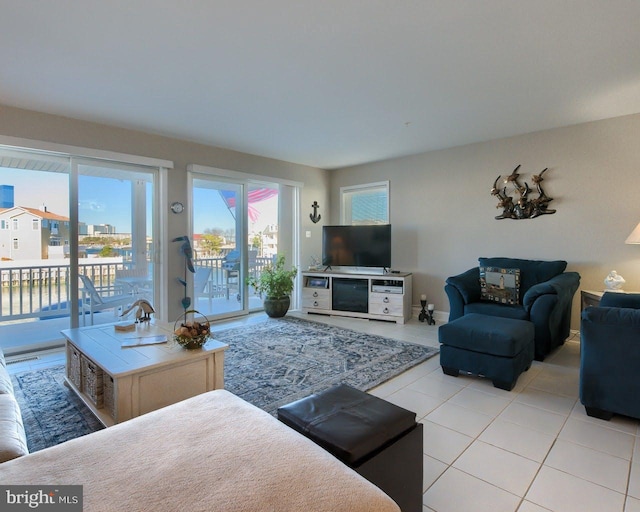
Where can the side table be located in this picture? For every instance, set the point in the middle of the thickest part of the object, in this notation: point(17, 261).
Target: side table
point(590, 298)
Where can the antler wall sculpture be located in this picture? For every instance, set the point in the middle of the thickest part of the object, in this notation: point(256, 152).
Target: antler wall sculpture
point(525, 207)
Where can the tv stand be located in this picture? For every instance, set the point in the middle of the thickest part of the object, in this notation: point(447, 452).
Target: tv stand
point(373, 296)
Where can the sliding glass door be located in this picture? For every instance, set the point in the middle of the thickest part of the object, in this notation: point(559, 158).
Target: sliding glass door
point(71, 228)
point(115, 238)
point(34, 248)
point(235, 234)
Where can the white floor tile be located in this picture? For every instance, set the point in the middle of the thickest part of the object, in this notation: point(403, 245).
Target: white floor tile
point(634, 478)
point(389, 387)
point(442, 443)
point(561, 492)
point(499, 467)
point(527, 506)
point(433, 468)
point(547, 401)
point(567, 356)
point(436, 387)
point(456, 491)
point(557, 380)
point(632, 505)
point(414, 401)
point(520, 440)
point(479, 401)
point(534, 418)
point(598, 438)
point(465, 421)
point(592, 465)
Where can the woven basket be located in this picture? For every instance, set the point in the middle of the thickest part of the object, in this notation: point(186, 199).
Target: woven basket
point(191, 330)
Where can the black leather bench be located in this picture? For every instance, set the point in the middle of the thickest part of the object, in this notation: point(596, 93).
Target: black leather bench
point(378, 439)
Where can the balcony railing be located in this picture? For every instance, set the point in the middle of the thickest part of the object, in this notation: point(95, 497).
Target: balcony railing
point(43, 291)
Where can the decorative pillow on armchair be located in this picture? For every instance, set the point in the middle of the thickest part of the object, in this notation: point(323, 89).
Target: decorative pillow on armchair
point(500, 285)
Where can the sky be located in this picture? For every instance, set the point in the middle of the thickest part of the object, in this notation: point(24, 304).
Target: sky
point(107, 200)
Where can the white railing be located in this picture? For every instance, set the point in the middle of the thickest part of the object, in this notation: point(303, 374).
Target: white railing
point(42, 290)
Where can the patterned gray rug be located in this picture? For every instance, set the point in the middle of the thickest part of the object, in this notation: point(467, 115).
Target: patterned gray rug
point(281, 360)
point(268, 364)
point(51, 412)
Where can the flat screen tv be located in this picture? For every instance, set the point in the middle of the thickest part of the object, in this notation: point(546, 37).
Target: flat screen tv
point(357, 246)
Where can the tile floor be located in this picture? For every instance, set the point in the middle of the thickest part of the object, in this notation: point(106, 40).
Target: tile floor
point(529, 450)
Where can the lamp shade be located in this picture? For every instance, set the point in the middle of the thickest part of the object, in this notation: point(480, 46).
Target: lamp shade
point(634, 237)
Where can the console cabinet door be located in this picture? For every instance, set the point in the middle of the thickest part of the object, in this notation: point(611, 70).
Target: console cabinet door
point(387, 304)
point(316, 298)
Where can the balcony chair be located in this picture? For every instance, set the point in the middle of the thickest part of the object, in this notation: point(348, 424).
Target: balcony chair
point(202, 285)
point(135, 281)
point(542, 295)
point(610, 356)
point(94, 300)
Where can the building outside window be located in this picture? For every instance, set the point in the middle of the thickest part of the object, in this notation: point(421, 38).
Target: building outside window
point(365, 204)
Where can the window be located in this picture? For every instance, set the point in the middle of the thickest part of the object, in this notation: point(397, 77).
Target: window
point(16, 246)
point(35, 223)
point(15, 224)
point(365, 204)
point(4, 224)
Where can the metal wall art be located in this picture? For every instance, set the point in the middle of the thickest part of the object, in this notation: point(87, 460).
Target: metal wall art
point(315, 216)
point(524, 207)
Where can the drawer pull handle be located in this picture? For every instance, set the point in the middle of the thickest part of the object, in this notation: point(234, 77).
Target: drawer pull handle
point(385, 311)
point(315, 294)
point(386, 300)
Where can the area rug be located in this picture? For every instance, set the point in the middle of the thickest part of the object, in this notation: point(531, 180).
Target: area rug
point(51, 412)
point(275, 362)
point(268, 364)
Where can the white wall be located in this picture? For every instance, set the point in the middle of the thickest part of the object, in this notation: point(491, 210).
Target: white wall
point(443, 214)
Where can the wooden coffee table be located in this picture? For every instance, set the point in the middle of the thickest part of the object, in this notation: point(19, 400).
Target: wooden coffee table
point(118, 383)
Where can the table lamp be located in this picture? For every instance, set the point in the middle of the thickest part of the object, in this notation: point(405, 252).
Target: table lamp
point(634, 237)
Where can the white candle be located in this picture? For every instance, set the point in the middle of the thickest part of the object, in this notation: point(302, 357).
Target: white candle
point(431, 307)
point(423, 297)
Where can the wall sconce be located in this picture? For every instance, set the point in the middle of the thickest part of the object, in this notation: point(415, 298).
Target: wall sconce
point(315, 216)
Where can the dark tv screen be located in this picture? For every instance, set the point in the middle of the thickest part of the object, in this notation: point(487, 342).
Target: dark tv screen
point(357, 246)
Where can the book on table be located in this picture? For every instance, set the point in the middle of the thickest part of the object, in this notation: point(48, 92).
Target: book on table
point(136, 341)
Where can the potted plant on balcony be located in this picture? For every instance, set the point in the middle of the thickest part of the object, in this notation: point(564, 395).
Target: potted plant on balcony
point(275, 284)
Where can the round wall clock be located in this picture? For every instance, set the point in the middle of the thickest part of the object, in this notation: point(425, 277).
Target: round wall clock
point(177, 207)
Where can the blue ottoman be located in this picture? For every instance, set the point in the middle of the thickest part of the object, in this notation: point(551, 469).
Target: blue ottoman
point(497, 348)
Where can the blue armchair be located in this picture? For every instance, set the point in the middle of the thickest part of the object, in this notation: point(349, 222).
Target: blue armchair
point(544, 298)
point(610, 356)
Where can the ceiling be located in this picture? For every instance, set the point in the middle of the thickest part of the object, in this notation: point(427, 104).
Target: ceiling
point(327, 83)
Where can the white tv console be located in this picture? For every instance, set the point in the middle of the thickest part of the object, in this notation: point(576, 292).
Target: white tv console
point(373, 296)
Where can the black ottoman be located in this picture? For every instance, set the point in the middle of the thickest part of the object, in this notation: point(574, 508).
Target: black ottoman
point(379, 440)
point(497, 348)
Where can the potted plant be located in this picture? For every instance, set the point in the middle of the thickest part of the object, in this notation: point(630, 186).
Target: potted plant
point(275, 284)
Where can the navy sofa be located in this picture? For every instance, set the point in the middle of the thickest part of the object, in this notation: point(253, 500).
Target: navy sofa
point(545, 298)
point(610, 356)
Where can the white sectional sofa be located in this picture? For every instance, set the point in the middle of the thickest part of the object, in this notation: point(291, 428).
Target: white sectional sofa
point(211, 452)
point(13, 442)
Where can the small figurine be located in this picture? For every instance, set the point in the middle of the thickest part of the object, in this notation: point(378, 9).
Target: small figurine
point(143, 313)
point(614, 281)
